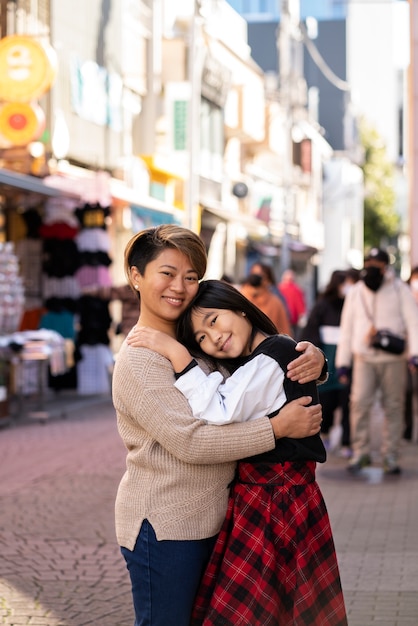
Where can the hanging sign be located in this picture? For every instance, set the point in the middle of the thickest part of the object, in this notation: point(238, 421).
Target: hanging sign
point(27, 68)
point(21, 123)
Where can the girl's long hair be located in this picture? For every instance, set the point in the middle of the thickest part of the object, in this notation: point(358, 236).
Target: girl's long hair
point(216, 294)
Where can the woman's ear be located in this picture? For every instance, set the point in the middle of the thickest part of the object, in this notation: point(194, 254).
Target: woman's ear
point(135, 276)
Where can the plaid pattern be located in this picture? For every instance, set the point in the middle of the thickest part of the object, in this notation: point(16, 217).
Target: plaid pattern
point(274, 561)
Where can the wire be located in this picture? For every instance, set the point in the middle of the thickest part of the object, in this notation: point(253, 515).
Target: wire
point(318, 59)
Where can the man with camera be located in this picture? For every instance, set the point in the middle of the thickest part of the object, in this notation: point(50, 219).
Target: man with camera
point(379, 333)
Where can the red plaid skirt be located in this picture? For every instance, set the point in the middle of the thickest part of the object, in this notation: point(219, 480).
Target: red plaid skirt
point(274, 562)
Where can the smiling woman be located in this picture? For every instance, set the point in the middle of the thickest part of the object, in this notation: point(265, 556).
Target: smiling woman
point(173, 496)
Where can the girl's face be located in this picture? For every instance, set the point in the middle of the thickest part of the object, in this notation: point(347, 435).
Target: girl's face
point(167, 287)
point(221, 333)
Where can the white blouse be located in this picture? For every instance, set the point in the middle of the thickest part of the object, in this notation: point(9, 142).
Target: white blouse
point(254, 390)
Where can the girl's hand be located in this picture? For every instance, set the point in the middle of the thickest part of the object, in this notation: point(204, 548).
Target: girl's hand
point(170, 348)
point(308, 366)
point(297, 420)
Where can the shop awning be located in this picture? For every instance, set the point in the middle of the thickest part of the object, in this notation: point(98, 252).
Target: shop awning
point(299, 251)
point(143, 217)
point(24, 182)
point(123, 194)
point(251, 225)
point(146, 210)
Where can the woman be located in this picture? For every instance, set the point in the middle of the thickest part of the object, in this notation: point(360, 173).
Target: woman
point(274, 562)
point(173, 496)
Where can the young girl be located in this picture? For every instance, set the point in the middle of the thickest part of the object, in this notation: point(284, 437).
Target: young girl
point(274, 561)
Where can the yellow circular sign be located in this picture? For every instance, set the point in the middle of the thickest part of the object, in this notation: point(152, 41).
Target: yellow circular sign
point(27, 68)
point(21, 123)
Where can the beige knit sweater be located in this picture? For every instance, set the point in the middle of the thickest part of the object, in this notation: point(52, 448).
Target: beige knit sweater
point(178, 468)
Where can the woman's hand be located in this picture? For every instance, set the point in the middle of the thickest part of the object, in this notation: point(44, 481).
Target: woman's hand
point(145, 337)
point(297, 420)
point(308, 366)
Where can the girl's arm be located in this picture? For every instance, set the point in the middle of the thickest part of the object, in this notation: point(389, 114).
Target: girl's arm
point(253, 390)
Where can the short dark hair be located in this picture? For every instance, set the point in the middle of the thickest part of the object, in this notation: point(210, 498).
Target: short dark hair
point(148, 244)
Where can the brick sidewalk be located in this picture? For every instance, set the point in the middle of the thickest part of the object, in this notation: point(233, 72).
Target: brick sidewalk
point(60, 565)
point(376, 535)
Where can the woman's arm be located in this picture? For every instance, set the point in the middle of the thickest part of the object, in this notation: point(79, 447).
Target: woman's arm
point(311, 365)
point(149, 406)
point(247, 395)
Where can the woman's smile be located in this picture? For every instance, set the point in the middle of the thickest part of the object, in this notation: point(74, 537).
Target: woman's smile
point(174, 301)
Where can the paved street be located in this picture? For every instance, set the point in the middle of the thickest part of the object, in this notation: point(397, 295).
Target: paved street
point(59, 563)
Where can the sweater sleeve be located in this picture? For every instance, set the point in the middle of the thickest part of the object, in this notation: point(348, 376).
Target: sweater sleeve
point(252, 391)
point(149, 408)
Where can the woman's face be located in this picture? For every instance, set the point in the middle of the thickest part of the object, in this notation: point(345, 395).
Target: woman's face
point(167, 287)
point(221, 333)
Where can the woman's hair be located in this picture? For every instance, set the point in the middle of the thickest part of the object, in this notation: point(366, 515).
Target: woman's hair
point(148, 244)
point(331, 291)
point(353, 274)
point(216, 294)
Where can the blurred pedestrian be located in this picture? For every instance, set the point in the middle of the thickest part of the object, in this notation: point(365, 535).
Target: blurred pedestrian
point(266, 271)
point(378, 303)
point(256, 289)
point(295, 301)
point(323, 329)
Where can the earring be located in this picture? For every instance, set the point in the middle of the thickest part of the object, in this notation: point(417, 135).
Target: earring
point(243, 314)
point(136, 287)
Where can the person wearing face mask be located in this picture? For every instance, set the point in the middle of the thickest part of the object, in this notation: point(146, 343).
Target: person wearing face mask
point(323, 329)
point(378, 301)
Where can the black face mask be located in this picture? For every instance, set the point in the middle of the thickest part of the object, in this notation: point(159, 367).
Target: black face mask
point(372, 277)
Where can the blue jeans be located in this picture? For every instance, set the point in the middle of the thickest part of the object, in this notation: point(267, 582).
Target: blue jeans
point(165, 576)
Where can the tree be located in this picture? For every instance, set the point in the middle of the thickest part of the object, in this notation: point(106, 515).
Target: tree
point(381, 222)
